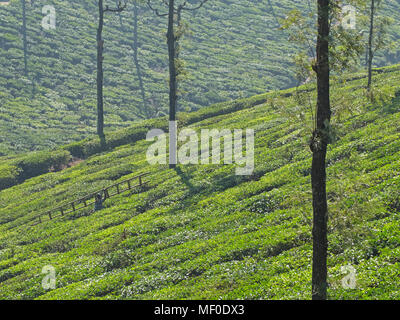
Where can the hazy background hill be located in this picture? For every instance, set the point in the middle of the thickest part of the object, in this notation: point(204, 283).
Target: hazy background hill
point(235, 49)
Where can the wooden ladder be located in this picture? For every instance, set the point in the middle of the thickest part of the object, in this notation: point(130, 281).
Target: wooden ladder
point(82, 203)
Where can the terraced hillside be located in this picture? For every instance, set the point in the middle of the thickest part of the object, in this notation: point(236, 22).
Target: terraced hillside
point(200, 231)
point(235, 50)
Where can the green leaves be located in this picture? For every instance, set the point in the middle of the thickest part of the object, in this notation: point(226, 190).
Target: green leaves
point(201, 232)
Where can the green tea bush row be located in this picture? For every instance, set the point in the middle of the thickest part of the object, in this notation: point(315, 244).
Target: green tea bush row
point(32, 165)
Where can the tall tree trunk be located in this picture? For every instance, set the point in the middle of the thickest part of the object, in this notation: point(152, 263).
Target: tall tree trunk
point(273, 13)
point(120, 15)
point(370, 40)
point(100, 43)
point(172, 82)
point(319, 148)
point(24, 37)
point(136, 60)
point(177, 53)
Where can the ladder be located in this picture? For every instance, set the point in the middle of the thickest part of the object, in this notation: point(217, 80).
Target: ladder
point(87, 201)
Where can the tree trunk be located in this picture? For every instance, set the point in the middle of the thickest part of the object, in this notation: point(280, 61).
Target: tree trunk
point(319, 148)
point(273, 13)
point(136, 60)
point(172, 82)
point(100, 42)
point(177, 52)
point(24, 37)
point(370, 40)
point(120, 16)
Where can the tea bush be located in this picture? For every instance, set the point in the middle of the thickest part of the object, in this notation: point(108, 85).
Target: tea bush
point(201, 232)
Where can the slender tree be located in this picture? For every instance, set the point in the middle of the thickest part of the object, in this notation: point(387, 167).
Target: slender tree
point(24, 37)
point(145, 110)
point(376, 36)
point(171, 57)
point(100, 46)
point(318, 145)
point(330, 47)
point(175, 9)
point(370, 39)
point(273, 14)
point(119, 16)
point(135, 47)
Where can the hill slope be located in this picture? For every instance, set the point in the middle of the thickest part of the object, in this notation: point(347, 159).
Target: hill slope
point(202, 232)
point(235, 50)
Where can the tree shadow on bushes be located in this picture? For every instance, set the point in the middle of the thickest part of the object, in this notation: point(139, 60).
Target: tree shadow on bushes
point(185, 178)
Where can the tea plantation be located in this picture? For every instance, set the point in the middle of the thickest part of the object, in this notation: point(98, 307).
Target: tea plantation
point(202, 232)
point(234, 49)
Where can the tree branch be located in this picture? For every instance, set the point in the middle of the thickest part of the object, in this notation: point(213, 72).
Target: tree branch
point(156, 10)
point(119, 8)
point(183, 7)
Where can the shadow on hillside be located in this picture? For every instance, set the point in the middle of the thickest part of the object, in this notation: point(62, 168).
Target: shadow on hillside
point(103, 142)
point(393, 106)
point(221, 182)
point(186, 180)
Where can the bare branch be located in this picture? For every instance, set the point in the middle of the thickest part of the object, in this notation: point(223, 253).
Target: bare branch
point(193, 8)
point(183, 6)
point(155, 10)
point(119, 8)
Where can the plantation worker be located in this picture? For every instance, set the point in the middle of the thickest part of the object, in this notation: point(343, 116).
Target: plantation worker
point(98, 203)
